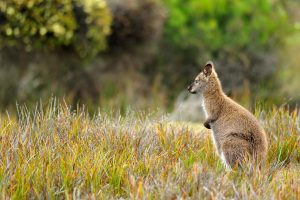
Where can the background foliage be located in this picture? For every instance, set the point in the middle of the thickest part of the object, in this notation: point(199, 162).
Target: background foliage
point(154, 48)
point(79, 25)
point(242, 37)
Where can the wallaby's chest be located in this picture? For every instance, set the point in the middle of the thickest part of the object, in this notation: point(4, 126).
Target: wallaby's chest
point(215, 139)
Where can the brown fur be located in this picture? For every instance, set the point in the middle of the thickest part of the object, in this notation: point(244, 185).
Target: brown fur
point(236, 132)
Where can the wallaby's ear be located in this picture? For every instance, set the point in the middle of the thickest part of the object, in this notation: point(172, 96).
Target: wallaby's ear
point(208, 68)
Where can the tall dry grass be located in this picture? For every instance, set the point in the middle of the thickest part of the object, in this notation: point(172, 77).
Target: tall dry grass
point(54, 152)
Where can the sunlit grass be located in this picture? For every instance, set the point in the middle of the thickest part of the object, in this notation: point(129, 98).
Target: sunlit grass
point(55, 152)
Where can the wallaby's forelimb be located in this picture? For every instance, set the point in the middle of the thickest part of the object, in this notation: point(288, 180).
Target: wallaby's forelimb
point(208, 122)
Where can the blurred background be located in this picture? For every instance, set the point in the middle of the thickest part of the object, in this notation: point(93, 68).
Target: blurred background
point(143, 53)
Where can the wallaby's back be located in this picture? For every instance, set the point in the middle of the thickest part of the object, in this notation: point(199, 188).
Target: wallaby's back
point(239, 134)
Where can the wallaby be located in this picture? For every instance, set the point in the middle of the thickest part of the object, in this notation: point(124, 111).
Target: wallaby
point(236, 132)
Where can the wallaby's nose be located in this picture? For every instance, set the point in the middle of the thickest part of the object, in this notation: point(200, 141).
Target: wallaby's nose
point(190, 88)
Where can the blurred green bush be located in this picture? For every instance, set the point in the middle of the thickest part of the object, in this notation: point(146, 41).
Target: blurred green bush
point(82, 26)
point(242, 37)
point(213, 25)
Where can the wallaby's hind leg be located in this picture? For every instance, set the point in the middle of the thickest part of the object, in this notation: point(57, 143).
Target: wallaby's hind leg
point(235, 152)
point(233, 159)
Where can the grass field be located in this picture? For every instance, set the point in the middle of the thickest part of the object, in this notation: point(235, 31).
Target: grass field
point(55, 153)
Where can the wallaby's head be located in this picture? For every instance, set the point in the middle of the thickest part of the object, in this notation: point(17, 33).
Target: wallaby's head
point(204, 79)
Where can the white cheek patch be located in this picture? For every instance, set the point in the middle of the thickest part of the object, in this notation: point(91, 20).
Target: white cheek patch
point(204, 109)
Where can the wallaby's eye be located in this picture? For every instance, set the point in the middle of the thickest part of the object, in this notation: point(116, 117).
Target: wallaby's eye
point(196, 81)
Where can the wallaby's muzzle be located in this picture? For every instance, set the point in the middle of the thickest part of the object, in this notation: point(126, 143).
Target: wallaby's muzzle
point(190, 88)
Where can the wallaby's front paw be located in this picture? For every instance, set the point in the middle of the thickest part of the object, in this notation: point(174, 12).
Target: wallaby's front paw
point(207, 125)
